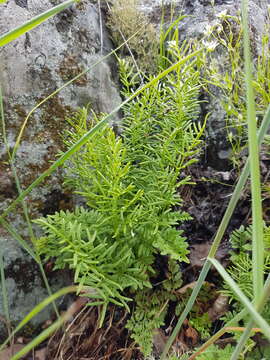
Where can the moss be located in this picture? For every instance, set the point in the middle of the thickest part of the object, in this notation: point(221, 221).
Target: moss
point(80, 5)
point(54, 114)
point(41, 77)
point(65, 20)
point(69, 68)
point(84, 37)
point(20, 111)
point(21, 272)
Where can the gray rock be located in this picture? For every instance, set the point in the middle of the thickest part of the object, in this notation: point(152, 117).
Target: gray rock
point(201, 15)
point(25, 287)
point(32, 67)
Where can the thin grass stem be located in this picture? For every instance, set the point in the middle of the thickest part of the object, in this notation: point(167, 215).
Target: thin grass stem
point(257, 218)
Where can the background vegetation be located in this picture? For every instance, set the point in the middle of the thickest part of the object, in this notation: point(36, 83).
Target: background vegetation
point(131, 214)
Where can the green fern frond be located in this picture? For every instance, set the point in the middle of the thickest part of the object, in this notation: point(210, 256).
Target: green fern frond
point(216, 353)
point(130, 187)
point(241, 272)
point(82, 241)
point(241, 267)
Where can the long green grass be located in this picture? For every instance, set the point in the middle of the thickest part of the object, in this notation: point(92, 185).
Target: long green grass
point(257, 219)
point(260, 290)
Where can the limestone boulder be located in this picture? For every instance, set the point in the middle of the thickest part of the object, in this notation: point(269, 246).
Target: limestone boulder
point(31, 68)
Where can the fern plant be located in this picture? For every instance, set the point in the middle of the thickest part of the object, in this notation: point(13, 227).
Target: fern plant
point(130, 185)
point(216, 353)
point(78, 240)
point(151, 307)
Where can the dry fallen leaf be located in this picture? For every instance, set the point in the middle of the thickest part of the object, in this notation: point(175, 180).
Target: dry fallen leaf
point(191, 335)
point(219, 307)
point(199, 253)
point(191, 286)
point(187, 338)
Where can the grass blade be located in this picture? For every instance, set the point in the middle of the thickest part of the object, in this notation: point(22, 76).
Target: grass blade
point(244, 338)
point(39, 308)
point(219, 235)
point(34, 22)
point(242, 297)
point(257, 218)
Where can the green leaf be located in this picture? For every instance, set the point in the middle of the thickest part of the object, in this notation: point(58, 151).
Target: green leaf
point(32, 23)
